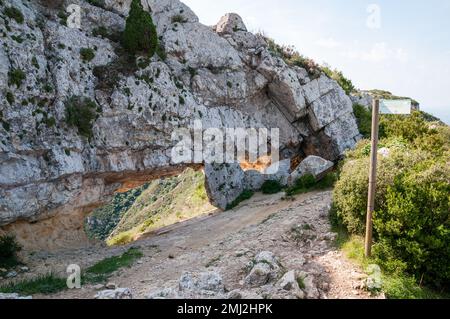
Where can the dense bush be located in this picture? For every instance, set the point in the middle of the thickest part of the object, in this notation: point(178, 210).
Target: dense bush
point(246, 194)
point(14, 13)
point(87, 54)
point(414, 228)
point(271, 187)
point(140, 34)
point(16, 77)
point(308, 183)
point(412, 218)
point(350, 194)
point(8, 251)
point(81, 113)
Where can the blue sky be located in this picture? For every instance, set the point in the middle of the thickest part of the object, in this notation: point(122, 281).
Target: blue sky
point(400, 46)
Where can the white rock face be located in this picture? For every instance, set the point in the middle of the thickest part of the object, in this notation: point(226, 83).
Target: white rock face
point(230, 23)
point(224, 183)
point(13, 296)
point(279, 171)
point(119, 293)
point(52, 176)
point(266, 268)
point(193, 285)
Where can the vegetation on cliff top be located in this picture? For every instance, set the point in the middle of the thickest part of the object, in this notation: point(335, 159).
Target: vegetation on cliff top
point(293, 58)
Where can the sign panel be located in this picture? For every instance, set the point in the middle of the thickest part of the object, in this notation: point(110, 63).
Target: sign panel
point(395, 106)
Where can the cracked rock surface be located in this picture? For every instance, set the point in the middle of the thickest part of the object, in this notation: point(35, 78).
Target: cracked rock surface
point(223, 76)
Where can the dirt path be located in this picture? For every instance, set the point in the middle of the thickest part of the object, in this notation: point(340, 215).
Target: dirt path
point(225, 243)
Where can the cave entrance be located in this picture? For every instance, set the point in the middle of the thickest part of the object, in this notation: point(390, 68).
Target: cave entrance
point(136, 211)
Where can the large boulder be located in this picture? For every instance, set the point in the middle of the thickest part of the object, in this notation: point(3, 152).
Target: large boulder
point(264, 269)
point(279, 171)
point(193, 286)
point(313, 165)
point(230, 23)
point(207, 282)
point(224, 183)
point(119, 293)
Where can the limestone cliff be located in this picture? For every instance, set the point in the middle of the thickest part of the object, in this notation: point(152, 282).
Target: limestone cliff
point(51, 176)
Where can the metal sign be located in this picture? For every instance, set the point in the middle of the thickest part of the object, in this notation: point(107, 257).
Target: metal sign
point(395, 106)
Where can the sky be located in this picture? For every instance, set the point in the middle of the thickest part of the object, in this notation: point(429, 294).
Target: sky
point(400, 46)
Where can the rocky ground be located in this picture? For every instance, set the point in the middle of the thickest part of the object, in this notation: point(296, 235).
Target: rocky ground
point(268, 247)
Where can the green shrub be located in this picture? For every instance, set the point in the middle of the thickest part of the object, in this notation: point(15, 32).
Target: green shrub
point(16, 77)
point(140, 34)
point(81, 113)
point(408, 127)
point(246, 194)
point(47, 284)
point(412, 207)
point(406, 287)
point(271, 187)
point(178, 19)
point(364, 120)
point(309, 183)
point(8, 251)
point(10, 98)
point(415, 225)
point(97, 3)
point(87, 54)
point(351, 190)
point(14, 13)
point(109, 265)
point(101, 31)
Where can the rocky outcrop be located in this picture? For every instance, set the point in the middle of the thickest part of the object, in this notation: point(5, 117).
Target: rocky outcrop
point(193, 286)
point(264, 269)
point(363, 99)
point(13, 297)
point(51, 176)
point(118, 293)
point(313, 165)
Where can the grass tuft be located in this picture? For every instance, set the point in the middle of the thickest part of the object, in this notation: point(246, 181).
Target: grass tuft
point(308, 183)
point(50, 283)
point(47, 284)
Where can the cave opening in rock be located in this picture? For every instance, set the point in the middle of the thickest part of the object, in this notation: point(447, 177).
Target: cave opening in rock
point(143, 210)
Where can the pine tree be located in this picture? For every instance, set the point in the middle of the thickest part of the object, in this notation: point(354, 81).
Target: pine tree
point(140, 34)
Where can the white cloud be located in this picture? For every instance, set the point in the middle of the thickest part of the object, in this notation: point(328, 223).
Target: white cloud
point(380, 52)
point(328, 43)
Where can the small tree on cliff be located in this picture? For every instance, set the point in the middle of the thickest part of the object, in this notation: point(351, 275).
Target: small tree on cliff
point(140, 34)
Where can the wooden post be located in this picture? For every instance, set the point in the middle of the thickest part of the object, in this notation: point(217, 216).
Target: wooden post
point(372, 177)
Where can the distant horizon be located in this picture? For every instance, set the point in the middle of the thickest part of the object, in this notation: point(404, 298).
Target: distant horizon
point(374, 44)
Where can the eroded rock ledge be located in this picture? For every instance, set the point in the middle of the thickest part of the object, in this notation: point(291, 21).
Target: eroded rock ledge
point(51, 177)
